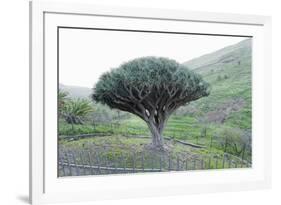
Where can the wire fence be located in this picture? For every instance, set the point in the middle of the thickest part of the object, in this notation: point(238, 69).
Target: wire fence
point(104, 161)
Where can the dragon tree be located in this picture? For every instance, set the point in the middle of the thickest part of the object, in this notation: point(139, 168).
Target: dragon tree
point(151, 88)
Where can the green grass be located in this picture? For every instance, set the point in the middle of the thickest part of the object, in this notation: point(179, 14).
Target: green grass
point(181, 128)
point(112, 149)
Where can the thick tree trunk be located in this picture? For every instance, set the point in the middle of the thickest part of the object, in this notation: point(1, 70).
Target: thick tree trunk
point(156, 132)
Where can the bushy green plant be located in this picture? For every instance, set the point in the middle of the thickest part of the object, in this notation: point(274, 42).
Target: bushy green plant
point(75, 110)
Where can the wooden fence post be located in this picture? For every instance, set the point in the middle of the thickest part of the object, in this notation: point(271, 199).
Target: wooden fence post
point(82, 163)
point(216, 163)
point(194, 164)
point(75, 164)
point(178, 163)
point(106, 164)
point(115, 161)
point(134, 162)
point(61, 159)
point(202, 163)
point(68, 163)
point(152, 163)
point(123, 162)
point(160, 165)
point(170, 164)
point(229, 163)
point(91, 163)
point(142, 161)
point(98, 161)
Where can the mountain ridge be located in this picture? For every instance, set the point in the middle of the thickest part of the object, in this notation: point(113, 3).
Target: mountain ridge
point(76, 91)
point(219, 56)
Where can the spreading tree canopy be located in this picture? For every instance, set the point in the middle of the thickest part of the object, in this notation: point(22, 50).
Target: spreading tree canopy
point(151, 88)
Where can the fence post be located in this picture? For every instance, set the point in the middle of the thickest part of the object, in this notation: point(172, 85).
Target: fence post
point(209, 163)
point(134, 161)
point(178, 163)
point(223, 161)
point(229, 163)
point(152, 163)
point(106, 164)
point(82, 162)
point(123, 162)
point(170, 164)
point(61, 159)
point(115, 161)
point(142, 161)
point(90, 163)
point(216, 163)
point(202, 163)
point(68, 162)
point(75, 164)
point(160, 162)
point(194, 164)
point(98, 161)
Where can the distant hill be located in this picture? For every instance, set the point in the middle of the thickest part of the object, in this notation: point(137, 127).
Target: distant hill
point(218, 59)
point(228, 71)
point(76, 91)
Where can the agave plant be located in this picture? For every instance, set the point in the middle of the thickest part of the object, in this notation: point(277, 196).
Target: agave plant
point(75, 110)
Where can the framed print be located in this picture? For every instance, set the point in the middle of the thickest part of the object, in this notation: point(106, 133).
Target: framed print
point(130, 102)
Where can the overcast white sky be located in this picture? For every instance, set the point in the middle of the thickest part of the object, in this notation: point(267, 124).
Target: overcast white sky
point(86, 54)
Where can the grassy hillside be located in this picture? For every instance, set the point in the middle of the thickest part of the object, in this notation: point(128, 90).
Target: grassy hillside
point(229, 73)
point(221, 57)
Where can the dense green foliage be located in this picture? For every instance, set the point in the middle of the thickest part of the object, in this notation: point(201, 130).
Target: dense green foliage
point(147, 76)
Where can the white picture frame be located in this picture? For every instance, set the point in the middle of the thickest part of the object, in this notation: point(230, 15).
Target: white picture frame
point(46, 187)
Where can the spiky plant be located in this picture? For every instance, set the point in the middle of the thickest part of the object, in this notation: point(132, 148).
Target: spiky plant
point(75, 110)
